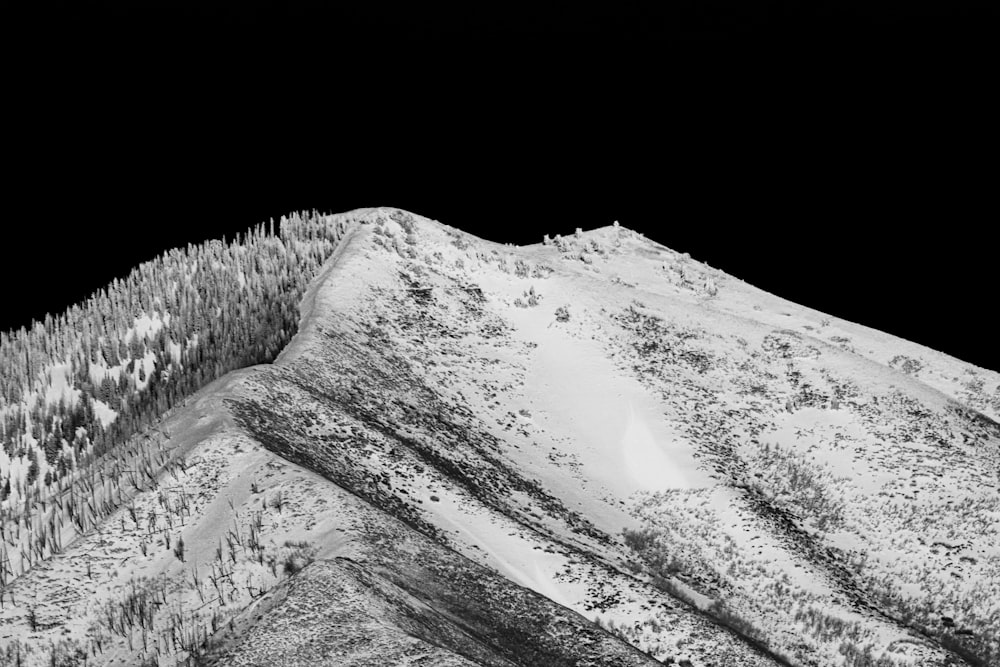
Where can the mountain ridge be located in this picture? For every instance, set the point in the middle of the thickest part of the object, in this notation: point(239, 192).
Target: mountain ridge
point(431, 383)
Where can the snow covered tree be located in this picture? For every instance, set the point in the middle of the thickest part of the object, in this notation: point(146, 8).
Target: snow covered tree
point(32, 468)
point(213, 308)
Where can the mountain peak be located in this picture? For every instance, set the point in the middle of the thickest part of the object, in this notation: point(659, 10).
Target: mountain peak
point(376, 439)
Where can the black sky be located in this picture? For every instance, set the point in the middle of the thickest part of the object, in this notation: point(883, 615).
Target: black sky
point(836, 154)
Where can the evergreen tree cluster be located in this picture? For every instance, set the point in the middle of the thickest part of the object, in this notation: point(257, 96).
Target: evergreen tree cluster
point(221, 306)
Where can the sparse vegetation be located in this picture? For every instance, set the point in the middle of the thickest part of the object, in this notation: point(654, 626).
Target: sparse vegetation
point(530, 299)
point(831, 519)
point(906, 364)
point(299, 555)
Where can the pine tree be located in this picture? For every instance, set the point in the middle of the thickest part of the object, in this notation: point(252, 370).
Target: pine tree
point(225, 306)
point(32, 468)
point(53, 444)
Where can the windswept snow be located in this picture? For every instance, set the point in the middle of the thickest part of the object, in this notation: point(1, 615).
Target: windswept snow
point(635, 436)
point(608, 421)
point(647, 460)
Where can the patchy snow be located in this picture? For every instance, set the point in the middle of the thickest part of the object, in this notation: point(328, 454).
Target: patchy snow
point(606, 420)
point(104, 412)
point(146, 326)
point(60, 389)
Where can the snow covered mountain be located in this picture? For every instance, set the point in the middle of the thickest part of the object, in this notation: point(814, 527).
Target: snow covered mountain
point(589, 451)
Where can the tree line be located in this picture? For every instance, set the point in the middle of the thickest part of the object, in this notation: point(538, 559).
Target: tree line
point(76, 385)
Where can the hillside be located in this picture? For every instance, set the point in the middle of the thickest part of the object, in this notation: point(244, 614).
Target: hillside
point(589, 451)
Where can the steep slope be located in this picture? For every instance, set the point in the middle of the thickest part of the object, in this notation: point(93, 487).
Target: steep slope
point(79, 392)
point(471, 451)
point(750, 400)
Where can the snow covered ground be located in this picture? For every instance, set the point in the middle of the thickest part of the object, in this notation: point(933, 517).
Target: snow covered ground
point(710, 472)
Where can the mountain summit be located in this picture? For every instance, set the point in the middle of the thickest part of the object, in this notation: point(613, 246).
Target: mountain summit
point(373, 439)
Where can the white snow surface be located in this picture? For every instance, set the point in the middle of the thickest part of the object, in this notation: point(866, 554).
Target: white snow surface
point(574, 410)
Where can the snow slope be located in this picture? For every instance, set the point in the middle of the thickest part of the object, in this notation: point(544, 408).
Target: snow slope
point(615, 436)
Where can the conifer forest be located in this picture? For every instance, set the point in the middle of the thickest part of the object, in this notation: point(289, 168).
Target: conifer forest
point(78, 389)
